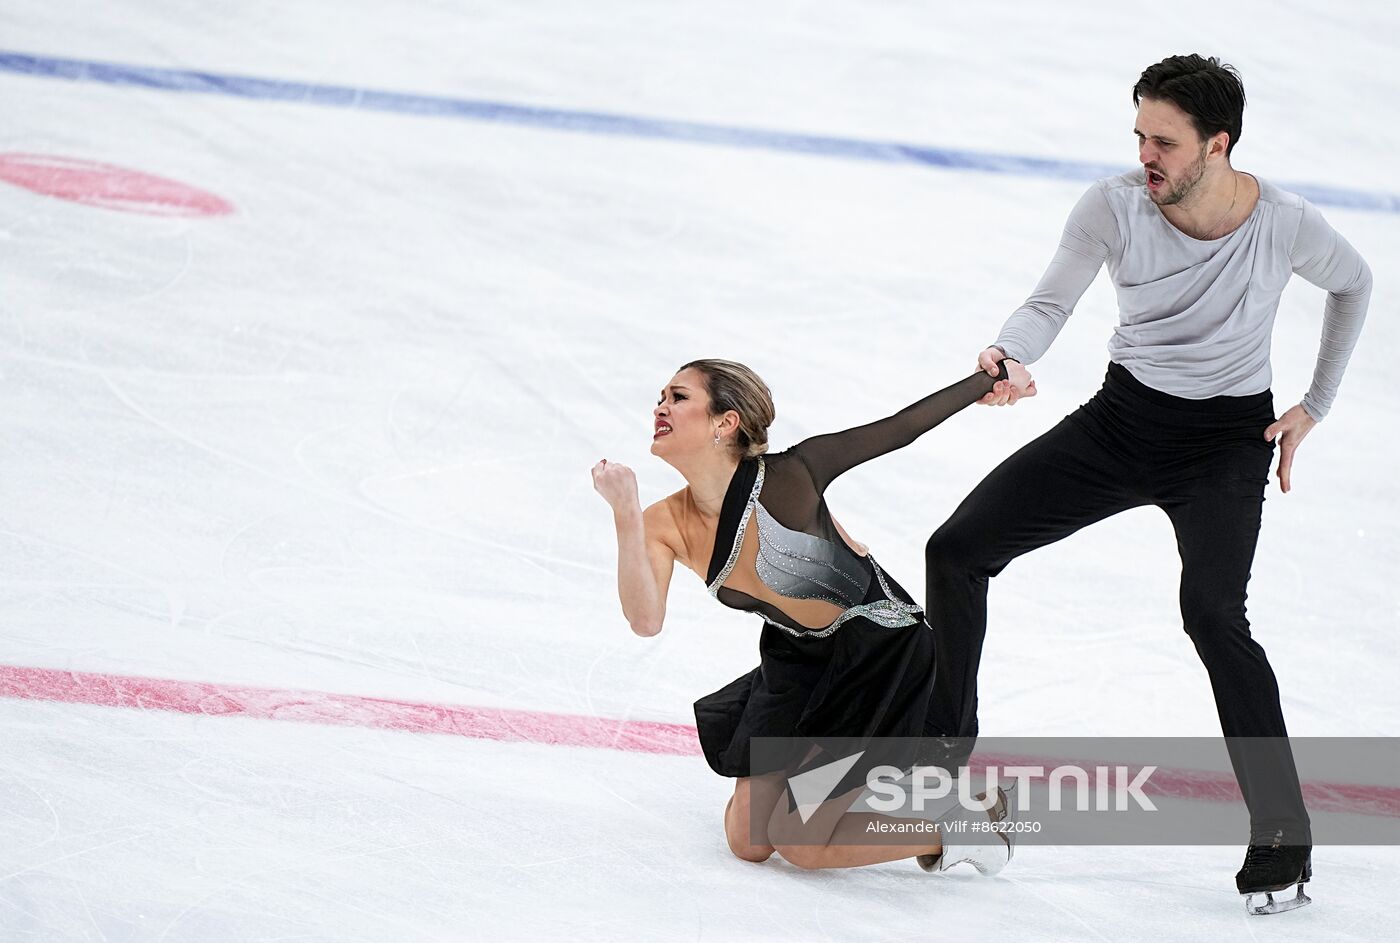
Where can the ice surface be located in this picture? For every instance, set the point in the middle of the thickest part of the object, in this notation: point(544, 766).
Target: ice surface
point(339, 440)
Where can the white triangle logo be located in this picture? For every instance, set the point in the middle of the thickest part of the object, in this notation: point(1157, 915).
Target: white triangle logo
point(812, 788)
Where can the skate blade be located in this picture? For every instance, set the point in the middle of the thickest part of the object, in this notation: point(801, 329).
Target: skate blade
point(1008, 813)
point(1274, 905)
point(989, 859)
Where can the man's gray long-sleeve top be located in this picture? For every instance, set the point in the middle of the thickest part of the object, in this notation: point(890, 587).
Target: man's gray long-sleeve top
point(1195, 316)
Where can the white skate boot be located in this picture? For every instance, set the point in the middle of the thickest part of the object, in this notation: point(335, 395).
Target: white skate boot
point(981, 839)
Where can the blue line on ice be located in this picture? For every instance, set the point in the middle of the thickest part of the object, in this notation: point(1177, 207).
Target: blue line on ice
point(592, 122)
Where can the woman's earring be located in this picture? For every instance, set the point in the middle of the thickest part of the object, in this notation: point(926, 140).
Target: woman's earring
point(716, 440)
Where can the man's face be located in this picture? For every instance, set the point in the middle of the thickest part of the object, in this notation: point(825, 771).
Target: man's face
point(1172, 154)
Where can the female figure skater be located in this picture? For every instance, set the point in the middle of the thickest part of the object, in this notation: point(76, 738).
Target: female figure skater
point(845, 651)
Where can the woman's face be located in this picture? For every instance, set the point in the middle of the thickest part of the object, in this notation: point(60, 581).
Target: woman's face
point(681, 421)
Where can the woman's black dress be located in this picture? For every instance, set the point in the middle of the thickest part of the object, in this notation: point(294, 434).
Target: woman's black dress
point(869, 673)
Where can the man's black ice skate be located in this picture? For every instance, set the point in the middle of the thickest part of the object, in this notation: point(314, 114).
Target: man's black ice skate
point(1270, 866)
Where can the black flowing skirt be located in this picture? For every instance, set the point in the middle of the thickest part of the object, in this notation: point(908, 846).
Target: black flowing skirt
point(864, 680)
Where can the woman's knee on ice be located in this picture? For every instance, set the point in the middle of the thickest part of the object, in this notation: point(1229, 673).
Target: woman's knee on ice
point(738, 829)
point(746, 851)
point(806, 857)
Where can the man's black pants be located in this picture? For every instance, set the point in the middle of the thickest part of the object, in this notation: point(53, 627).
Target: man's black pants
point(1205, 463)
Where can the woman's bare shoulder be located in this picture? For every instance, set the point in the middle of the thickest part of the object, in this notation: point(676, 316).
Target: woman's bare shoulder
point(662, 520)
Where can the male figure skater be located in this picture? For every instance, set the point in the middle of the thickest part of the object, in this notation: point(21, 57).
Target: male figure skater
point(1199, 253)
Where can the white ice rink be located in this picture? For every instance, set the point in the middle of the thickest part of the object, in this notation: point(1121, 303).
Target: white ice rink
point(338, 439)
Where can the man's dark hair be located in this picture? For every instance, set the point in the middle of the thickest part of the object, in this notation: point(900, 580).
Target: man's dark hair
point(1209, 91)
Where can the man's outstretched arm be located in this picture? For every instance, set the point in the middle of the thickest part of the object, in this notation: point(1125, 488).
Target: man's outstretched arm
point(1090, 233)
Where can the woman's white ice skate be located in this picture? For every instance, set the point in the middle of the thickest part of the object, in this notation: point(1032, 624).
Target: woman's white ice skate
point(984, 840)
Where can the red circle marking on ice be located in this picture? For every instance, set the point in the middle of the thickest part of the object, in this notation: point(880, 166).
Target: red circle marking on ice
point(109, 186)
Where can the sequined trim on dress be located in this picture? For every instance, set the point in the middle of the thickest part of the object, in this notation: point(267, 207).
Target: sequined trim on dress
point(739, 534)
point(892, 612)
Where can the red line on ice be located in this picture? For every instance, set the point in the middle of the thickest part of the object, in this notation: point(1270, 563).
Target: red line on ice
point(345, 710)
point(521, 726)
point(107, 186)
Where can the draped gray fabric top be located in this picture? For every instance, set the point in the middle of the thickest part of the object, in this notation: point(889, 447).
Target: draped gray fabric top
point(801, 566)
point(1195, 316)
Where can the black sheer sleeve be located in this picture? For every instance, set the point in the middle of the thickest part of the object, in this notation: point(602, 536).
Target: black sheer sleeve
point(828, 456)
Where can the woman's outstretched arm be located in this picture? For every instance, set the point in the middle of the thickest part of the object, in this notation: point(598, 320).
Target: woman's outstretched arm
point(644, 558)
point(828, 456)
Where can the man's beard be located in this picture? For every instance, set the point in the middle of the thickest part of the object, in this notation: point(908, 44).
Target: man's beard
point(1181, 191)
